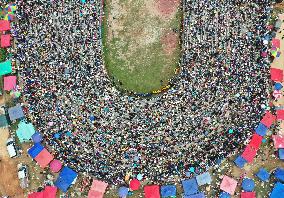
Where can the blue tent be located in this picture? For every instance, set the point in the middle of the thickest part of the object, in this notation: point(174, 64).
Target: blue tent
point(278, 191)
point(37, 137)
point(35, 150)
point(199, 195)
point(263, 174)
point(279, 174)
point(240, 162)
point(190, 186)
point(248, 185)
point(3, 121)
point(281, 154)
point(168, 191)
point(203, 179)
point(224, 195)
point(122, 191)
point(16, 112)
point(66, 177)
point(261, 129)
point(278, 86)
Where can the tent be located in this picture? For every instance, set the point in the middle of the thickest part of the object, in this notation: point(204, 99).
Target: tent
point(240, 162)
point(281, 154)
point(44, 158)
point(249, 154)
point(277, 191)
point(134, 184)
point(263, 174)
point(203, 179)
point(248, 195)
point(25, 131)
point(168, 191)
point(37, 137)
point(122, 192)
point(55, 165)
point(261, 129)
point(275, 43)
point(4, 25)
point(279, 174)
point(49, 192)
point(224, 195)
point(278, 86)
point(16, 112)
point(190, 186)
point(248, 185)
point(276, 74)
point(5, 40)
point(98, 189)
point(5, 67)
point(36, 195)
point(10, 82)
point(278, 24)
point(280, 114)
point(3, 121)
point(255, 141)
point(35, 150)
point(228, 185)
point(65, 179)
point(199, 195)
point(278, 141)
point(268, 119)
point(152, 191)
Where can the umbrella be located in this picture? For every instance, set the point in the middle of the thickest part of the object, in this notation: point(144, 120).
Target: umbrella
point(122, 192)
point(134, 184)
point(9, 17)
point(11, 7)
point(55, 165)
point(37, 137)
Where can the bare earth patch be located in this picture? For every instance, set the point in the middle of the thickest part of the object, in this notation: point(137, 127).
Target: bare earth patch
point(167, 8)
point(169, 42)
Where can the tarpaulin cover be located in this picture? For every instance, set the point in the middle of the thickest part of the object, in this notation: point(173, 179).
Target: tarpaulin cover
point(203, 179)
point(224, 195)
point(15, 112)
point(44, 158)
point(122, 191)
point(5, 40)
point(268, 119)
point(37, 137)
point(249, 154)
point(261, 129)
point(168, 191)
point(278, 141)
point(275, 42)
point(95, 194)
point(255, 141)
point(35, 150)
point(99, 186)
point(263, 174)
point(228, 185)
point(3, 121)
point(248, 185)
point(10, 82)
point(66, 177)
point(240, 162)
point(62, 184)
point(248, 195)
point(278, 86)
point(152, 191)
point(199, 195)
point(280, 114)
point(278, 191)
point(279, 174)
point(134, 184)
point(25, 131)
point(190, 186)
point(276, 74)
point(36, 195)
point(5, 67)
point(49, 192)
point(4, 25)
point(55, 165)
point(281, 154)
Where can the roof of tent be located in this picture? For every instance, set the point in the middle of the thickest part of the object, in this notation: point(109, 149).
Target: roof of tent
point(16, 112)
point(281, 154)
point(5, 40)
point(261, 129)
point(4, 25)
point(279, 174)
point(276, 74)
point(49, 192)
point(249, 153)
point(44, 158)
point(10, 82)
point(62, 184)
point(278, 141)
point(65, 178)
point(5, 67)
point(190, 186)
point(3, 121)
point(152, 191)
point(255, 141)
point(203, 179)
point(25, 131)
point(99, 186)
point(248, 184)
point(248, 195)
point(240, 161)
point(228, 185)
point(263, 174)
point(277, 190)
point(278, 23)
point(280, 114)
point(168, 191)
point(35, 150)
point(199, 195)
point(36, 195)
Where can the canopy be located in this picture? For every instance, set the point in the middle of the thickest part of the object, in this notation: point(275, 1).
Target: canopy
point(248, 185)
point(203, 179)
point(44, 158)
point(261, 129)
point(277, 190)
point(35, 150)
point(281, 154)
point(249, 153)
point(276, 74)
point(152, 191)
point(263, 174)
point(65, 179)
point(278, 141)
point(228, 185)
point(224, 195)
point(4, 25)
point(16, 112)
point(5, 40)
point(199, 195)
point(168, 191)
point(280, 114)
point(278, 86)
point(10, 82)
point(25, 131)
point(279, 174)
point(240, 162)
point(49, 192)
point(122, 192)
point(3, 121)
point(190, 186)
point(5, 67)
point(255, 141)
point(98, 189)
point(275, 43)
point(36, 195)
point(248, 195)
point(55, 165)
point(268, 119)
point(134, 184)
point(37, 137)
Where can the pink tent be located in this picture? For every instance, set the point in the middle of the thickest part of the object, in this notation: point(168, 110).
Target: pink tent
point(98, 189)
point(49, 192)
point(44, 158)
point(280, 114)
point(276, 74)
point(228, 185)
point(36, 195)
point(5, 40)
point(275, 42)
point(55, 166)
point(152, 191)
point(95, 194)
point(268, 119)
point(248, 195)
point(255, 141)
point(249, 153)
point(278, 141)
point(134, 184)
point(4, 25)
point(10, 82)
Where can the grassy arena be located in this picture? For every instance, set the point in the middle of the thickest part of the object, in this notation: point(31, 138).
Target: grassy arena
point(136, 53)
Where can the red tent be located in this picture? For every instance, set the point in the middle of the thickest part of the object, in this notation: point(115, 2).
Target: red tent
point(228, 185)
point(275, 42)
point(255, 141)
point(49, 192)
point(98, 189)
point(44, 158)
point(276, 74)
point(134, 184)
point(152, 191)
point(278, 141)
point(5, 40)
point(10, 82)
point(249, 153)
point(36, 195)
point(268, 119)
point(248, 195)
point(280, 114)
point(55, 166)
point(4, 25)
point(95, 194)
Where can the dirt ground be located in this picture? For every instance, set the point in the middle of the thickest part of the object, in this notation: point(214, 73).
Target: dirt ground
point(169, 41)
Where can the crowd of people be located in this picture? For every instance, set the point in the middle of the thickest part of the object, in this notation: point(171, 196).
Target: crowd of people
point(215, 102)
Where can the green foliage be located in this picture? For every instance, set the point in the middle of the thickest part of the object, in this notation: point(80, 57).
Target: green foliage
point(3, 54)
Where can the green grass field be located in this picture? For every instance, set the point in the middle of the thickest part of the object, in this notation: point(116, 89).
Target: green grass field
point(132, 47)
